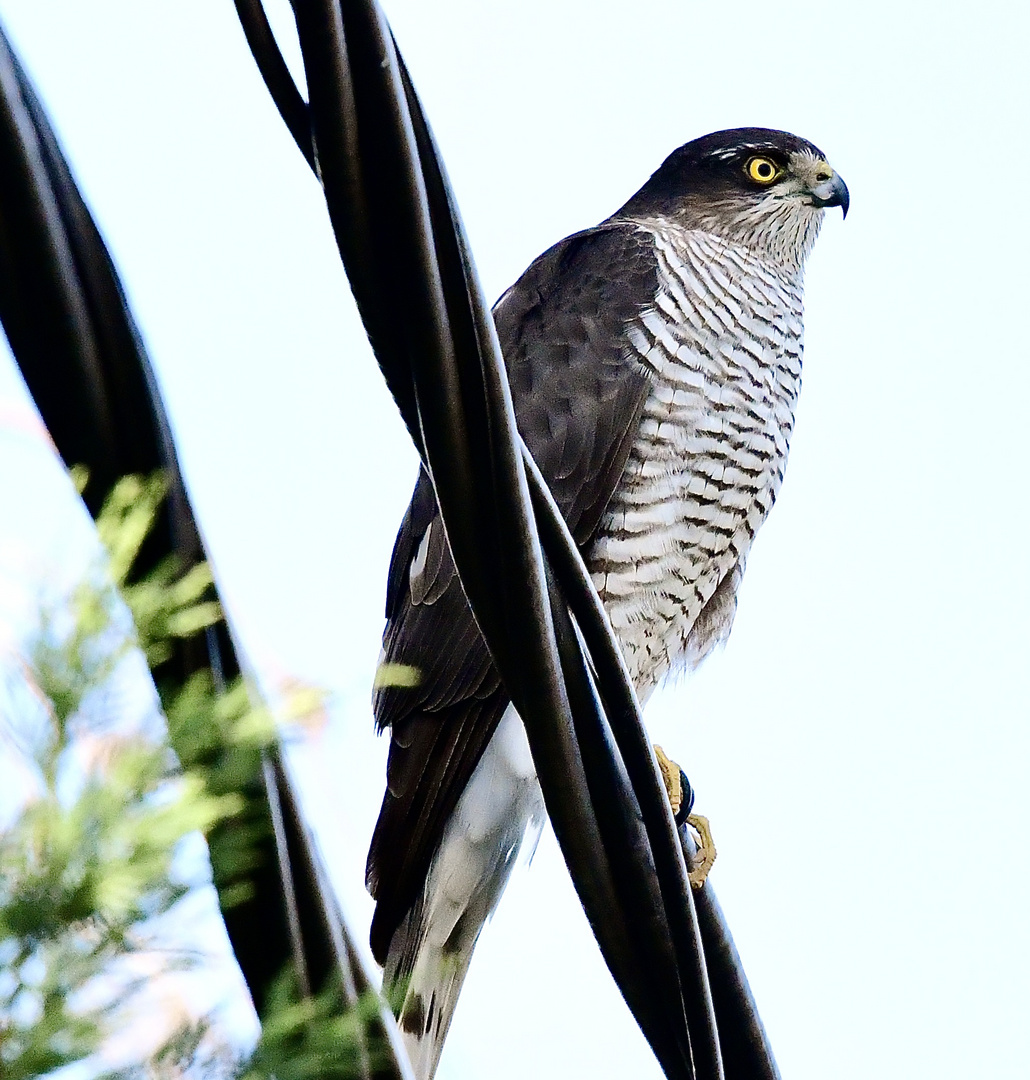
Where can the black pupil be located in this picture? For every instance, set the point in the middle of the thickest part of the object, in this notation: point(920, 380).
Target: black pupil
point(764, 169)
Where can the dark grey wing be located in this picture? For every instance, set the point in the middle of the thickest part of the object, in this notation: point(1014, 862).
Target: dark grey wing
point(578, 399)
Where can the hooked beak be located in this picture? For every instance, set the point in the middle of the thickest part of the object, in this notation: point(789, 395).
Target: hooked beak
point(832, 192)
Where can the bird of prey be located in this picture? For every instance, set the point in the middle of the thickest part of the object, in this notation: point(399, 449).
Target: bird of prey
point(654, 362)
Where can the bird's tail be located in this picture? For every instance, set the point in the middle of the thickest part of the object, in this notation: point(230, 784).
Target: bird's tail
point(431, 949)
point(431, 987)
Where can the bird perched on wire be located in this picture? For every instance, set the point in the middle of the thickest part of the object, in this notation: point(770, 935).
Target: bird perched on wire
point(655, 363)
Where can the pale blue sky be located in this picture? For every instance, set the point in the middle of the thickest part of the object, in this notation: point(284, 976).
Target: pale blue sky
point(861, 746)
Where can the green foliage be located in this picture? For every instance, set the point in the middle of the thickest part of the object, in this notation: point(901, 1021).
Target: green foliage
point(89, 861)
point(401, 676)
point(220, 738)
point(302, 1038)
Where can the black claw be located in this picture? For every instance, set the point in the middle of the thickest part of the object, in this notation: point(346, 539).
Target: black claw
point(687, 801)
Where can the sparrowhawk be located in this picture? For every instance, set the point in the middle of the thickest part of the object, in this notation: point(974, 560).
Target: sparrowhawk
point(655, 362)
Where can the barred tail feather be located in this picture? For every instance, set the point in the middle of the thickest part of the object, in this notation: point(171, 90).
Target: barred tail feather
point(432, 989)
point(431, 950)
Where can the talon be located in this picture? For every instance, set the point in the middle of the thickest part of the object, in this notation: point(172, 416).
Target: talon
point(706, 853)
point(681, 799)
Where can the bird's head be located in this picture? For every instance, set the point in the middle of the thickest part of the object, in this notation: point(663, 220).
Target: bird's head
point(763, 188)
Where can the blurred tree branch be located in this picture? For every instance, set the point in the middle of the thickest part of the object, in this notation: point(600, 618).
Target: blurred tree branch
point(91, 857)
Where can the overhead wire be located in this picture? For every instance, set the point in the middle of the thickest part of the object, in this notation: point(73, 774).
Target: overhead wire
point(379, 209)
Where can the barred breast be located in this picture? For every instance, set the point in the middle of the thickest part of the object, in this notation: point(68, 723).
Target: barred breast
point(722, 343)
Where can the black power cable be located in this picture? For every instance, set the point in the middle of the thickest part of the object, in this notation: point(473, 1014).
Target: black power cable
point(404, 249)
point(79, 350)
point(401, 244)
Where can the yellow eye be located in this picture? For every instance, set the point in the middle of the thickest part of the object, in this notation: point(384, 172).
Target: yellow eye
point(762, 170)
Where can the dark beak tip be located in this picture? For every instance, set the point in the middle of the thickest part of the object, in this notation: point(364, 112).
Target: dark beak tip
point(842, 195)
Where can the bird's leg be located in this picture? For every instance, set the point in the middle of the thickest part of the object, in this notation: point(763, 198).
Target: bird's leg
point(681, 799)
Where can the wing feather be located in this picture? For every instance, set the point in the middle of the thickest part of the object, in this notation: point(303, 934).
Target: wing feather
point(578, 398)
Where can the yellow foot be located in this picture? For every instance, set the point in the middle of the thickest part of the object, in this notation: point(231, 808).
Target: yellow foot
point(706, 853)
point(700, 830)
point(671, 776)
